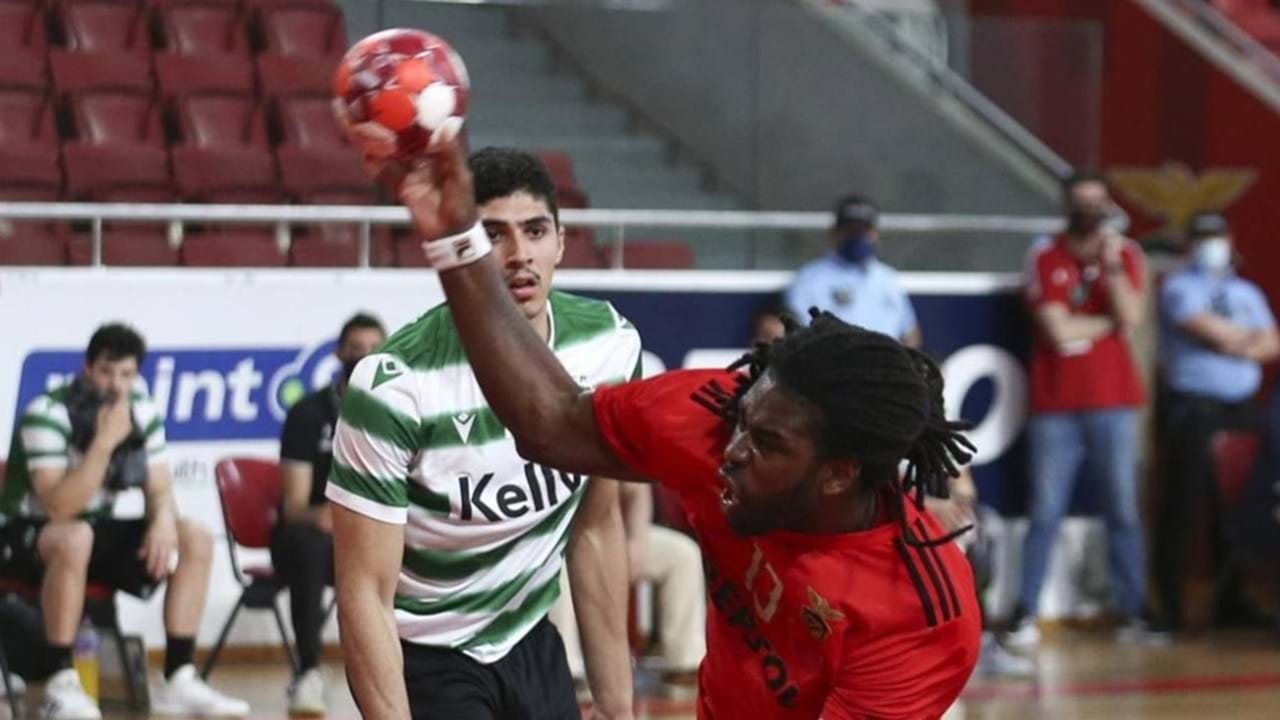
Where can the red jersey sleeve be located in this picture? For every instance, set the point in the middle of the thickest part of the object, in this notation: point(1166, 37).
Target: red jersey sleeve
point(1046, 276)
point(667, 428)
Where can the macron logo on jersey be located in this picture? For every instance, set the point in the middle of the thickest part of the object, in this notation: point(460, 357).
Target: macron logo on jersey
point(388, 369)
point(462, 422)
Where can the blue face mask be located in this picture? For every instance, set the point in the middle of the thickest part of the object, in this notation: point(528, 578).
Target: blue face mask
point(856, 248)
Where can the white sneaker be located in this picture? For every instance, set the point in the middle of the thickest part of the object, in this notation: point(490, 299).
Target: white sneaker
point(1136, 631)
point(65, 699)
point(306, 694)
point(997, 662)
point(1025, 636)
point(186, 694)
point(17, 683)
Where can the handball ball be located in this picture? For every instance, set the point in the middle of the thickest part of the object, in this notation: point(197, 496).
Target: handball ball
point(409, 81)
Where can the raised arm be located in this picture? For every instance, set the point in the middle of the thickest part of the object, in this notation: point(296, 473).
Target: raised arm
point(522, 380)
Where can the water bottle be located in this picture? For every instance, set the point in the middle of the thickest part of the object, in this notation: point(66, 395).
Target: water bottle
point(85, 658)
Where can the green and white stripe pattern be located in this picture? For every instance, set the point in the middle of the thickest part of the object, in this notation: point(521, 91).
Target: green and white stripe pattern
point(485, 530)
point(42, 441)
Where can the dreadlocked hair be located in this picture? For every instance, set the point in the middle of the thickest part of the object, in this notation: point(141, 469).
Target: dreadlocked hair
point(881, 403)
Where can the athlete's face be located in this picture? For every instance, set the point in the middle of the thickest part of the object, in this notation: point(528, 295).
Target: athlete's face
point(528, 244)
point(772, 469)
point(112, 378)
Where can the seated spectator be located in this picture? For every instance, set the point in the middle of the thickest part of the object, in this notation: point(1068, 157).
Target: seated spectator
point(75, 448)
point(302, 544)
point(671, 561)
point(851, 283)
point(1217, 330)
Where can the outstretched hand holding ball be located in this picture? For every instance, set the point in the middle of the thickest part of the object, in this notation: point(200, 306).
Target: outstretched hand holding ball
point(401, 96)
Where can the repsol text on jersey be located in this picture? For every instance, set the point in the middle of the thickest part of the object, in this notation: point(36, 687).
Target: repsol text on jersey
point(543, 488)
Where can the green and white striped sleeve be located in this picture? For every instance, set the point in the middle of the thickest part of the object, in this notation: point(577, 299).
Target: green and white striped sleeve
point(46, 434)
point(147, 418)
point(378, 436)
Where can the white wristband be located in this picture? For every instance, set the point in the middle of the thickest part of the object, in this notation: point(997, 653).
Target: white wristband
point(454, 251)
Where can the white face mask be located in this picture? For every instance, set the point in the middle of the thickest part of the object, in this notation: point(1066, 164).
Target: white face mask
point(1213, 254)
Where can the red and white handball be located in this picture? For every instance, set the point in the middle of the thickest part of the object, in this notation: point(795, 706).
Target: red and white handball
point(408, 81)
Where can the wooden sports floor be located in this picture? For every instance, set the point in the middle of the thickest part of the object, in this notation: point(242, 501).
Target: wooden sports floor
point(1080, 675)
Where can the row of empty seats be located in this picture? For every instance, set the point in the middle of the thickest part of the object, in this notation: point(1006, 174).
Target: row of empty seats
point(194, 101)
point(54, 244)
point(309, 28)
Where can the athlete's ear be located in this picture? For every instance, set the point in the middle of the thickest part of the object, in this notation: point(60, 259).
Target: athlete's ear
point(839, 476)
point(560, 239)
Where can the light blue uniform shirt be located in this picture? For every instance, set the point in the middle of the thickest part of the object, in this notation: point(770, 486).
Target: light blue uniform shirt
point(1193, 367)
point(868, 294)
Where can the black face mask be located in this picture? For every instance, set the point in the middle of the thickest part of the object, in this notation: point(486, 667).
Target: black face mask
point(1086, 221)
point(348, 367)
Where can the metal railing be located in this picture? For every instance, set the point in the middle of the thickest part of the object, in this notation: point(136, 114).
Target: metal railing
point(283, 217)
point(1240, 41)
point(870, 23)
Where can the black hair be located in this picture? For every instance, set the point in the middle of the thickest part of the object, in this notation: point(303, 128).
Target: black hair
point(881, 402)
point(1081, 177)
point(116, 341)
point(499, 172)
point(360, 321)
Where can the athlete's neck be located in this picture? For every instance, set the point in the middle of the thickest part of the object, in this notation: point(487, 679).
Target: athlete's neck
point(853, 511)
point(542, 324)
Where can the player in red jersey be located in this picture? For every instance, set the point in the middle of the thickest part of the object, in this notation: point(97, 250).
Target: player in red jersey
point(831, 595)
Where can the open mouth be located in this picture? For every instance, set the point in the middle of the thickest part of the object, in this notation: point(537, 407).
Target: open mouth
point(522, 287)
point(728, 494)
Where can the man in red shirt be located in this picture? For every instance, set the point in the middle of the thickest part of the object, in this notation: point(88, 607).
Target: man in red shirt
point(1086, 291)
point(831, 595)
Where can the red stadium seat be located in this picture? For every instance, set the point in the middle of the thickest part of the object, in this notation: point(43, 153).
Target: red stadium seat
point(240, 175)
point(1234, 453)
point(217, 120)
point(560, 166)
point(29, 173)
point(339, 246)
point(92, 71)
point(118, 173)
point(22, 25)
point(580, 250)
point(26, 119)
point(653, 255)
point(117, 117)
point(308, 121)
point(250, 492)
point(23, 69)
point(333, 177)
point(283, 75)
point(180, 74)
point(408, 252)
point(308, 173)
point(28, 244)
point(204, 28)
point(126, 246)
point(302, 29)
point(106, 26)
point(32, 242)
point(231, 248)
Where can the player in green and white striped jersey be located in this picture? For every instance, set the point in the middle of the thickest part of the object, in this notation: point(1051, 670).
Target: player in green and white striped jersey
point(436, 514)
point(75, 448)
